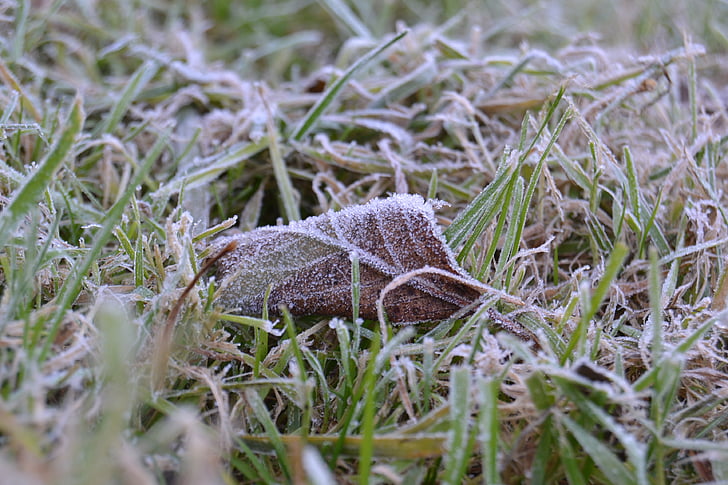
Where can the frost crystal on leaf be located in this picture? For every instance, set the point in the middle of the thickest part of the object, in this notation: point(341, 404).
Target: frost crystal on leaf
point(308, 268)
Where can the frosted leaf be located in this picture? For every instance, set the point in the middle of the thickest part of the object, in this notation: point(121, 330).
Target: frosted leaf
point(308, 268)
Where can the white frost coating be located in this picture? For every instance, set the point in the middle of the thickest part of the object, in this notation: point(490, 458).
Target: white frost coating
point(271, 254)
point(336, 323)
point(269, 327)
point(316, 469)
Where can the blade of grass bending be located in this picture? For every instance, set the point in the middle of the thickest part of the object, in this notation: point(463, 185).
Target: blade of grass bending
point(649, 378)
point(29, 193)
point(460, 336)
point(72, 285)
point(636, 451)
point(366, 450)
point(214, 165)
point(10, 80)
point(313, 115)
point(544, 123)
point(475, 216)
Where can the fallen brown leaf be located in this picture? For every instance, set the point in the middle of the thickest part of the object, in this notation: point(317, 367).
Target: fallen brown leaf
point(403, 258)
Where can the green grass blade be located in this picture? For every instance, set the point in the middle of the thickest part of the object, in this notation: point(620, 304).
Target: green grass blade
point(536, 176)
point(211, 168)
point(309, 121)
point(420, 78)
point(544, 454)
point(261, 471)
point(355, 286)
point(28, 194)
point(458, 441)
point(262, 415)
point(482, 209)
point(280, 172)
point(633, 184)
point(488, 428)
point(342, 12)
point(655, 306)
point(21, 29)
point(510, 241)
point(366, 451)
point(136, 83)
point(610, 465)
point(591, 302)
point(569, 460)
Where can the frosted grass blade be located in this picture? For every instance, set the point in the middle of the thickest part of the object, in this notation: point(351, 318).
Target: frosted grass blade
point(28, 194)
point(344, 14)
point(313, 115)
point(459, 442)
point(138, 81)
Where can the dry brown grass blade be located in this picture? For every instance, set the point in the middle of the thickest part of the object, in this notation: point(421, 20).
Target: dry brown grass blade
point(164, 337)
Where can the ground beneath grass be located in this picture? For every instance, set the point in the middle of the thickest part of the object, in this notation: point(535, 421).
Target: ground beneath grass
point(578, 149)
